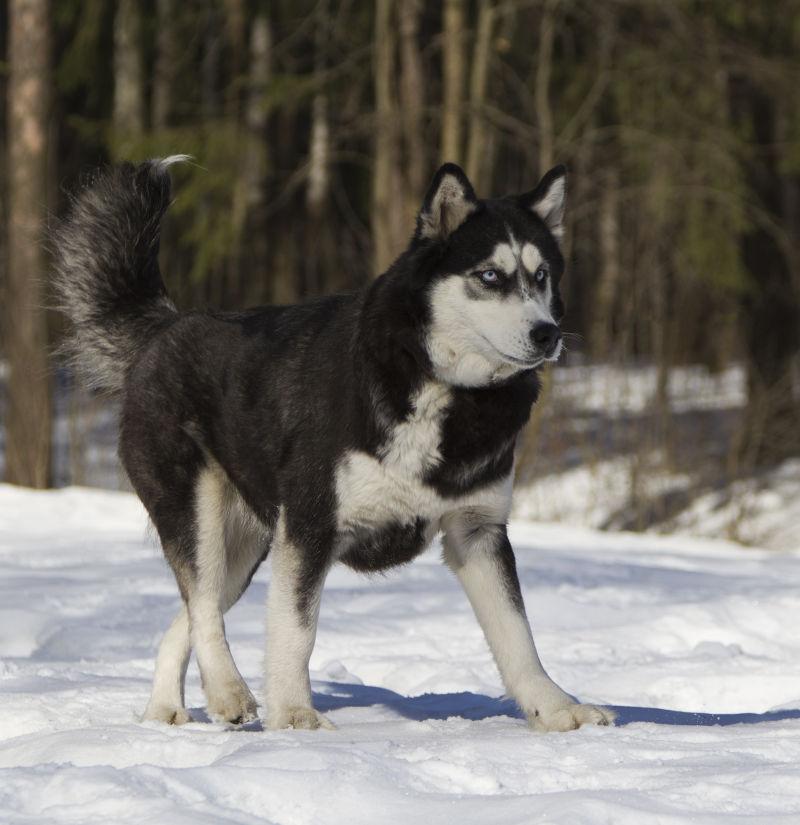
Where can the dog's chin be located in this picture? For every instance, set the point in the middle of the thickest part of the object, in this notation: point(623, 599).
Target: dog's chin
point(529, 362)
point(522, 361)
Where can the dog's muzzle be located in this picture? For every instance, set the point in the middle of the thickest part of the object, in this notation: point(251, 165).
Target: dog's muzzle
point(546, 337)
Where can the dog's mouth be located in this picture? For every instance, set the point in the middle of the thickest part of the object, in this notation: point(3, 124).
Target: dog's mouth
point(523, 363)
point(556, 353)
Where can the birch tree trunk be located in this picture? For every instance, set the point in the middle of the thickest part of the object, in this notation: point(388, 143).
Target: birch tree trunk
point(29, 420)
point(319, 157)
point(319, 143)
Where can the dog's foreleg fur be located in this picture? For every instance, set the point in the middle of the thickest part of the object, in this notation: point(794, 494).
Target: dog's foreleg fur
point(167, 698)
point(483, 561)
point(228, 698)
point(291, 631)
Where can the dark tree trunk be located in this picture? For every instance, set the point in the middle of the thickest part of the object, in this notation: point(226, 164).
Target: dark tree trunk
point(770, 307)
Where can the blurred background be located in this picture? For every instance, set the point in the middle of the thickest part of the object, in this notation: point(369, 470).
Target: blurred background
point(315, 128)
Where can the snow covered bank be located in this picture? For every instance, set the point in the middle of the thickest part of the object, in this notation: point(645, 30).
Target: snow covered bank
point(760, 510)
point(693, 641)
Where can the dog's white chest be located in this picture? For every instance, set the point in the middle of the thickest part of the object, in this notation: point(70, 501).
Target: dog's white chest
point(373, 492)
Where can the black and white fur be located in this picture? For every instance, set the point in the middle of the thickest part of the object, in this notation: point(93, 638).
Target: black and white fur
point(351, 429)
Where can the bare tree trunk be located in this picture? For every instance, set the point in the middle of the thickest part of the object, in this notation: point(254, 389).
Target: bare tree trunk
point(254, 171)
point(476, 147)
point(164, 71)
point(286, 256)
point(384, 198)
point(29, 421)
point(128, 116)
point(319, 158)
point(319, 144)
point(609, 275)
point(544, 67)
point(770, 311)
point(235, 29)
point(412, 97)
point(453, 78)
point(235, 37)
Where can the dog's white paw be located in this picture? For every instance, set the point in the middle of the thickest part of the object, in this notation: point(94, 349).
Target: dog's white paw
point(299, 718)
point(234, 707)
point(168, 714)
point(570, 717)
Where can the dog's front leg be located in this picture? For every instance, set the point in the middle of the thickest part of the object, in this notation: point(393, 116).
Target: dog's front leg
point(482, 558)
point(292, 612)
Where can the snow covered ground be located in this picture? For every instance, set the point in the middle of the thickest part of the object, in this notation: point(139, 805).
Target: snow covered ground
point(694, 642)
point(759, 511)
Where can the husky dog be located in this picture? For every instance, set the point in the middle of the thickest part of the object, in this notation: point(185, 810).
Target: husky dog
point(352, 429)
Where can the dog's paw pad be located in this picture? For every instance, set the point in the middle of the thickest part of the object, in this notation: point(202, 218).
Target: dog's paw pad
point(237, 707)
point(300, 718)
point(572, 717)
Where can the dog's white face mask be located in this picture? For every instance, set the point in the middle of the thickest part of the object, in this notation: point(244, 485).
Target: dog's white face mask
point(493, 305)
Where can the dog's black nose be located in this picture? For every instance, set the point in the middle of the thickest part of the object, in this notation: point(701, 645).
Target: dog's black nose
point(546, 337)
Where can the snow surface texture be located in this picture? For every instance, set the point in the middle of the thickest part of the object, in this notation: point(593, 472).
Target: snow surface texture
point(694, 642)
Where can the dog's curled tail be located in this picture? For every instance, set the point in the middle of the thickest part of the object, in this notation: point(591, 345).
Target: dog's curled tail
point(106, 275)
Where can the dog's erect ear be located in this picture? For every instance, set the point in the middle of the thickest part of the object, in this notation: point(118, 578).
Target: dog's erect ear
point(548, 199)
point(450, 200)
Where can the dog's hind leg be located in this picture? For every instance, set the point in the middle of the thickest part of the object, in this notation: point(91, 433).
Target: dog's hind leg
point(167, 698)
point(208, 596)
point(295, 590)
point(245, 547)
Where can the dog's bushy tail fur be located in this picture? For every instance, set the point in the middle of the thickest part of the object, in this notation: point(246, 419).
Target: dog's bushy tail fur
point(106, 275)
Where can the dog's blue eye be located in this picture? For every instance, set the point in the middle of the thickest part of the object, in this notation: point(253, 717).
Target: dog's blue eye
point(541, 275)
point(489, 276)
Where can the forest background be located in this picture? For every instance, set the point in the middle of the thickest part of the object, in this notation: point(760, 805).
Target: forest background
point(315, 128)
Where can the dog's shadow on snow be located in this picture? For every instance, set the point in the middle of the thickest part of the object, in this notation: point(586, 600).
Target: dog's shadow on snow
point(476, 706)
point(661, 716)
point(465, 705)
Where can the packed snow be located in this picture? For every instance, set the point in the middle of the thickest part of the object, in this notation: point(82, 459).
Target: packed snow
point(694, 642)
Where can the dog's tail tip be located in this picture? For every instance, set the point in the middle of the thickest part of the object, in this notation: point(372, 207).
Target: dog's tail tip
point(106, 277)
point(162, 165)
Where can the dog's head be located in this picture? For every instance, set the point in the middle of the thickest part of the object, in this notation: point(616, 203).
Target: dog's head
point(493, 297)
